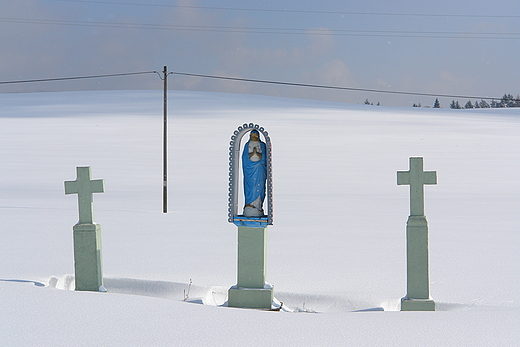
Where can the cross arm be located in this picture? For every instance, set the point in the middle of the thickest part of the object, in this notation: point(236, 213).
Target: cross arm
point(71, 187)
point(97, 186)
point(403, 178)
point(430, 177)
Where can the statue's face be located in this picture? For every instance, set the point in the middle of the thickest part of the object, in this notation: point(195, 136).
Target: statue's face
point(253, 136)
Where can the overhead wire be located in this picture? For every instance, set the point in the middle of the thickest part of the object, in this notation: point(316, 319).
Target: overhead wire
point(283, 31)
point(238, 79)
point(76, 77)
point(332, 87)
point(280, 31)
point(293, 11)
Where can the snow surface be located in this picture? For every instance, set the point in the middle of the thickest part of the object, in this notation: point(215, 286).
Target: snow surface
point(336, 251)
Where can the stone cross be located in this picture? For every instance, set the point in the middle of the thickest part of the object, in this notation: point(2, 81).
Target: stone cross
point(416, 178)
point(84, 186)
point(417, 269)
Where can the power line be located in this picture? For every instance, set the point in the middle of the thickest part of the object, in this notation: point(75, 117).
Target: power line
point(77, 77)
point(283, 31)
point(294, 84)
point(294, 11)
point(332, 87)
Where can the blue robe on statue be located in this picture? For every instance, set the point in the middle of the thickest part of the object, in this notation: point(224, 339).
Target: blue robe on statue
point(255, 174)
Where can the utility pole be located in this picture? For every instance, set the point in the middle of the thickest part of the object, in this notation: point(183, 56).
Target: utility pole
point(165, 139)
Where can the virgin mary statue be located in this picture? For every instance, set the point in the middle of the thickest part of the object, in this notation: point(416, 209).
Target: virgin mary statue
point(254, 165)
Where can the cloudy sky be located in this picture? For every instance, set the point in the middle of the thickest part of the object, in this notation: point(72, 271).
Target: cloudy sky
point(463, 47)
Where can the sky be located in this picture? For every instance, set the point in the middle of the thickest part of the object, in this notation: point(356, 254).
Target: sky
point(462, 48)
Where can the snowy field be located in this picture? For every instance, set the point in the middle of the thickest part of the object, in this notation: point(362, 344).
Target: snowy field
point(336, 251)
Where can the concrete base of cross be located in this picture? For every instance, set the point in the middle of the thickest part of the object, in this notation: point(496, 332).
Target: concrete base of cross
point(251, 297)
point(417, 270)
point(417, 305)
point(87, 257)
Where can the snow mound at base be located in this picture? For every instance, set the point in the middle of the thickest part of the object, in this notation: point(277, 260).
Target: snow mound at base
point(217, 296)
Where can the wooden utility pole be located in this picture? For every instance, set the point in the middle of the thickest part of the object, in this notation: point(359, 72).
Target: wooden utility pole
point(165, 138)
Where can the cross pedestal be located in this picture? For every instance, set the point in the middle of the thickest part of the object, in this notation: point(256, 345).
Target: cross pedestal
point(87, 257)
point(417, 270)
point(251, 290)
point(87, 234)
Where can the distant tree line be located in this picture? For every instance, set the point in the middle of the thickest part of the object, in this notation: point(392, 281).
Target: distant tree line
point(371, 103)
point(508, 100)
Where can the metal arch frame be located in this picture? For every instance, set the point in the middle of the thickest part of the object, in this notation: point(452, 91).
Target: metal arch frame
point(234, 170)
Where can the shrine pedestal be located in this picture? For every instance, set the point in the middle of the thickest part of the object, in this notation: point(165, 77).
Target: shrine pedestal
point(251, 297)
point(87, 257)
point(251, 290)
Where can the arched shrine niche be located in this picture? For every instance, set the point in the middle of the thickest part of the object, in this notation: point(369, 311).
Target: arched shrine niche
point(236, 173)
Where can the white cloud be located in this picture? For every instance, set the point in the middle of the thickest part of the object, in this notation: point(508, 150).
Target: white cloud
point(321, 42)
point(334, 72)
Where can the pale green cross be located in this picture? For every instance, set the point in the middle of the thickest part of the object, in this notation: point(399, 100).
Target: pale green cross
point(416, 178)
point(84, 186)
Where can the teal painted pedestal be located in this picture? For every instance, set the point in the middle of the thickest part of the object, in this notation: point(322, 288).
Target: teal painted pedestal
point(417, 269)
point(251, 290)
point(87, 257)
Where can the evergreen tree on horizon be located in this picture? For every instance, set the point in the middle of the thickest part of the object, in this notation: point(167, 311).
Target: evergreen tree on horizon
point(455, 105)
